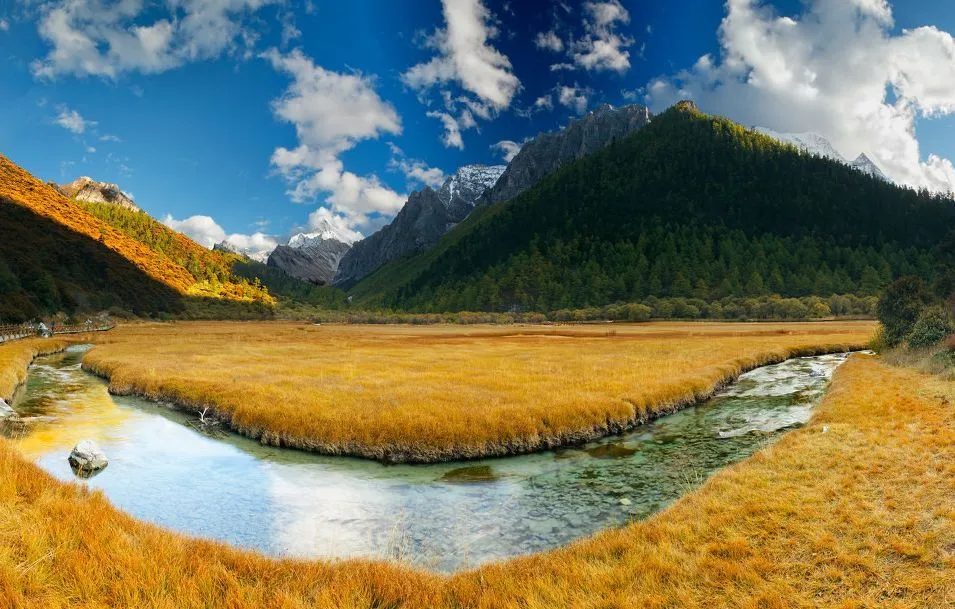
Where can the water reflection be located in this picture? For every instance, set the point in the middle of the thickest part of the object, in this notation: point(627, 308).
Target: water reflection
point(443, 516)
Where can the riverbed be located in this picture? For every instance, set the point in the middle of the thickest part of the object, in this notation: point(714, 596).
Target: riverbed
point(443, 516)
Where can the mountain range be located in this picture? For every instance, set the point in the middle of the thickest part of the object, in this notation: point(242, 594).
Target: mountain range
point(689, 206)
point(814, 143)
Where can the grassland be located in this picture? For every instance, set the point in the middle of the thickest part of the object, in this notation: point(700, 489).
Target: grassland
point(853, 510)
point(410, 394)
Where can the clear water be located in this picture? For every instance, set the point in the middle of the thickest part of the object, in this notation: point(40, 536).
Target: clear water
point(445, 516)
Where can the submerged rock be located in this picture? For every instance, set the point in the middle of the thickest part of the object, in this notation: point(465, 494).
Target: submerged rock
point(610, 451)
point(465, 475)
point(87, 458)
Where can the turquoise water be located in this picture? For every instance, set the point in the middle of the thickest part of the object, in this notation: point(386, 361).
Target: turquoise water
point(446, 516)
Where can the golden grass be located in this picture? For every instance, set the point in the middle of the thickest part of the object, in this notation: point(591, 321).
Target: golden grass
point(853, 510)
point(424, 394)
point(17, 355)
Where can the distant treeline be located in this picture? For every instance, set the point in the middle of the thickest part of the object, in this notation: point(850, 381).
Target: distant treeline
point(768, 308)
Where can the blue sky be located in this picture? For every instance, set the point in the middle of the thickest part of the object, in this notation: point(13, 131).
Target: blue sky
point(237, 117)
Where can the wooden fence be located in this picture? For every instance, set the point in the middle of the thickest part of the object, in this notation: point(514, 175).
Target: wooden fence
point(15, 332)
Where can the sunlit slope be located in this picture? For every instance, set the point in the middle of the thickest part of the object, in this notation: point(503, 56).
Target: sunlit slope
point(57, 256)
point(212, 270)
point(691, 206)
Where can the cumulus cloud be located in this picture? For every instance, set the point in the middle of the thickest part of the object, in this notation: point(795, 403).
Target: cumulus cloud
point(4, 25)
point(201, 229)
point(602, 47)
point(508, 149)
point(205, 231)
point(416, 171)
point(465, 58)
point(838, 69)
point(550, 41)
point(103, 38)
point(71, 120)
point(331, 112)
point(576, 98)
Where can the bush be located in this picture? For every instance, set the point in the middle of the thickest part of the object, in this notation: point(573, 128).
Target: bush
point(931, 328)
point(900, 306)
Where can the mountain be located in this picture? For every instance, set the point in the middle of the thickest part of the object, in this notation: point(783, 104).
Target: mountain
point(548, 152)
point(814, 143)
point(227, 248)
point(314, 261)
point(424, 219)
point(864, 164)
point(314, 256)
point(58, 255)
point(689, 206)
point(89, 190)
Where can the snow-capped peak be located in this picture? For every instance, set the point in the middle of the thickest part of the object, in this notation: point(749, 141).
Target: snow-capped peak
point(814, 143)
point(325, 231)
point(866, 165)
point(470, 182)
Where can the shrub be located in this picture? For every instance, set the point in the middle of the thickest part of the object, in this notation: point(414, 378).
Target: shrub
point(900, 306)
point(931, 328)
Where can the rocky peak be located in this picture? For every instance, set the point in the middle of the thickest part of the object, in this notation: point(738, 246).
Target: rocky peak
point(324, 231)
point(87, 189)
point(548, 152)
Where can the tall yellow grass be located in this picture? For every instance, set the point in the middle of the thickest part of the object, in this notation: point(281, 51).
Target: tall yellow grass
point(424, 394)
point(854, 510)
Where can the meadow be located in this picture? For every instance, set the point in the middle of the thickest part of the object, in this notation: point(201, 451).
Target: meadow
point(437, 393)
point(853, 510)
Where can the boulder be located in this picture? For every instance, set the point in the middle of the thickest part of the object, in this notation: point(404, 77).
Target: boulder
point(87, 458)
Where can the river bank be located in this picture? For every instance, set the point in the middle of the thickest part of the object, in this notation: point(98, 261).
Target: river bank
point(429, 395)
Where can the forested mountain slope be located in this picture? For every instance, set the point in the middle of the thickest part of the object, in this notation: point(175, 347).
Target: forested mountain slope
point(56, 255)
point(691, 205)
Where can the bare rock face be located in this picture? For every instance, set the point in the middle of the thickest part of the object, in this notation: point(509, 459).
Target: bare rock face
point(424, 219)
point(87, 189)
point(315, 262)
point(5, 411)
point(548, 152)
point(87, 458)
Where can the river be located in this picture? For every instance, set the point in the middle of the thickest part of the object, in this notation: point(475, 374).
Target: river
point(446, 516)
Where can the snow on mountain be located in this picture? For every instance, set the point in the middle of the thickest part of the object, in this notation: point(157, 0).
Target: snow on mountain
point(470, 182)
point(864, 164)
point(252, 254)
point(814, 143)
point(325, 231)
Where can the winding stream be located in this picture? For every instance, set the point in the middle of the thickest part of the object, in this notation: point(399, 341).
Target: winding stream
point(445, 516)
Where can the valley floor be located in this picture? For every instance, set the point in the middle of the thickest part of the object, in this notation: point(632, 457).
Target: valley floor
point(440, 393)
point(853, 510)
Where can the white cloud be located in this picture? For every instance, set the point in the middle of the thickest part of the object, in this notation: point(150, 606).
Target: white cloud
point(549, 41)
point(72, 121)
point(4, 25)
point(574, 97)
point(508, 149)
point(102, 38)
point(602, 47)
point(544, 102)
point(110, 138)
point(331, 112)
point(205, 231)
point(257, 245)
point(838, 69)
point(452, 130)
point(90, 149)
point(201, 229)
point(466, 57)
point(415, 170)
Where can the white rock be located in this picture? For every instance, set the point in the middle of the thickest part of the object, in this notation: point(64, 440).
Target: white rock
point(87, 458)
point(5, 411)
